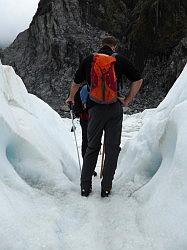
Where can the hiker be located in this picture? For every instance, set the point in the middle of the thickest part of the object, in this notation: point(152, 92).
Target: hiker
point(81, 112)
point(103, 71)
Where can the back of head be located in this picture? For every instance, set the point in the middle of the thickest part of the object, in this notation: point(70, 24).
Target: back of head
point(109, 41)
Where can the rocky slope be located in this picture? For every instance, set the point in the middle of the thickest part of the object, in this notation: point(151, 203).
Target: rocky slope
point(62, 32)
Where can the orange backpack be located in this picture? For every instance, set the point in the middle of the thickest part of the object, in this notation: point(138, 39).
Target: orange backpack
point(103, 87)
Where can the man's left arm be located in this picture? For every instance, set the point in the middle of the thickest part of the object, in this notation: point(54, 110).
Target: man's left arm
point(135, 86)
point(134, 76)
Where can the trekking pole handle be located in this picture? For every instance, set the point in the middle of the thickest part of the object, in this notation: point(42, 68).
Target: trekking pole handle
point(71, 113)
point(70, 104)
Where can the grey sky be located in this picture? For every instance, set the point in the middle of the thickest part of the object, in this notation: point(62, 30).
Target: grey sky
point(15, 16)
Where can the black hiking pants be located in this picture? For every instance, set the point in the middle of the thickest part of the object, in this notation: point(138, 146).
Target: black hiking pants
point(107, 118)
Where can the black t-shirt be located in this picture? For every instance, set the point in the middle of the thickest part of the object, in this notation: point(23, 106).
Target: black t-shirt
point(123, 67)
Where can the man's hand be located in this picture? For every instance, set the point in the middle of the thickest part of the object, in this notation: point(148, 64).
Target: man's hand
point(133, 91)
point(124, 101)
point(73, 90)
point(70, 100)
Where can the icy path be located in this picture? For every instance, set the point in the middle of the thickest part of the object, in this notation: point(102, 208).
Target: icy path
point(102, 224)
point(41, 206)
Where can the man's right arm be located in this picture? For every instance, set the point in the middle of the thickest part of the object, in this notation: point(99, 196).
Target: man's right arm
point(80, 77)
point(73, 90)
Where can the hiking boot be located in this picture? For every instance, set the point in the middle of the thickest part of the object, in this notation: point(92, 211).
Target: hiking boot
point(86, 192)
point(105, 193)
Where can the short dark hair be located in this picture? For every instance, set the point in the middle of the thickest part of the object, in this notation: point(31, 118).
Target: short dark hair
point(110, 41)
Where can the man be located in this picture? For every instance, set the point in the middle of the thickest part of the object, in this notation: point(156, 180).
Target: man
point(104, 114)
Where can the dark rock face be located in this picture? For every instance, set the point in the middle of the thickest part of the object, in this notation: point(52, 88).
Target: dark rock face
point(1, 53)
point(159, 41)
point(159, 76)
point(62, 32)
point(48, 53)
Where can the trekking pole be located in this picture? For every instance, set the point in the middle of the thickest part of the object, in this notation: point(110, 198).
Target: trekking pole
point(102, 161)
point(73, 126)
